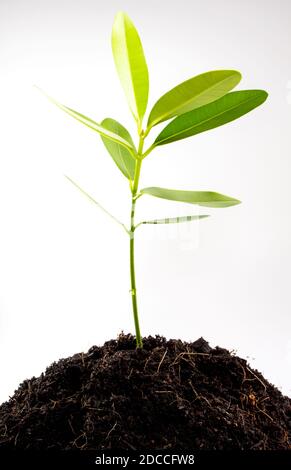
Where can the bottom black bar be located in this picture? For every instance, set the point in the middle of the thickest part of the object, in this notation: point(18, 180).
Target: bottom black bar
point(124, 459)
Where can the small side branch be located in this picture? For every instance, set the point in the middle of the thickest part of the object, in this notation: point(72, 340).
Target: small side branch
point(97, 204)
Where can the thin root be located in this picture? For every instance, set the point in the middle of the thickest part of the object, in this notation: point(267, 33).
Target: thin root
point(111, 430)
point(161, 361)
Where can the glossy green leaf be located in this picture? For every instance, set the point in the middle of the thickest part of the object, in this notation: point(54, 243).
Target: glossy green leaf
point(93, 125)
point(226, 109)
point(174, 220)
point(201, 198)
point(193, 93)
point(122, 157)
point(130, 64)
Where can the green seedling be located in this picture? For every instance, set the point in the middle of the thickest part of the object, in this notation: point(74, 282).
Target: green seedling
point(197, 105)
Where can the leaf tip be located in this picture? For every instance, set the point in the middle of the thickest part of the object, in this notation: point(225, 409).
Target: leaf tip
point(41, 91)
point(265, 94)
point(120, 16)
point(239, 75)
point(236, 202)
point(68, 178)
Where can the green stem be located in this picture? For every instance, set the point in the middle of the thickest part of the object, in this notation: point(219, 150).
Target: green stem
point(133, 294)
point(131, 247)
point(149, 150)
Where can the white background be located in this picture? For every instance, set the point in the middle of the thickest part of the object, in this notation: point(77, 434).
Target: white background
point(64, 277)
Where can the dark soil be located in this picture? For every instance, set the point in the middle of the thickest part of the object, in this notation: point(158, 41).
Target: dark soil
point(169, 395)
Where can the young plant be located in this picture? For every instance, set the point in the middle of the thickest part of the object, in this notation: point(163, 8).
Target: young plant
point(197, 105)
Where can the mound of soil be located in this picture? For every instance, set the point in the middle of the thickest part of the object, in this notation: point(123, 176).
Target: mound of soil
point(169, 395)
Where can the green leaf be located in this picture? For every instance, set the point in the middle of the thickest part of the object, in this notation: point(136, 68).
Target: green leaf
point(93, 125)
point(174, 220)
point(122, 157)
point(201, 198)
point(130, 64)
point(226, 109)
point(192, 94)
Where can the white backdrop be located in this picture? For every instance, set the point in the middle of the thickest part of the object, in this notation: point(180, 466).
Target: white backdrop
point(64, 277)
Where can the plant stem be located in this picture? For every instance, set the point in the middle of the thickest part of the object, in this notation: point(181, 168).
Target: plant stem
point(133, 293)
point(149, 150)
point(131, 247)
